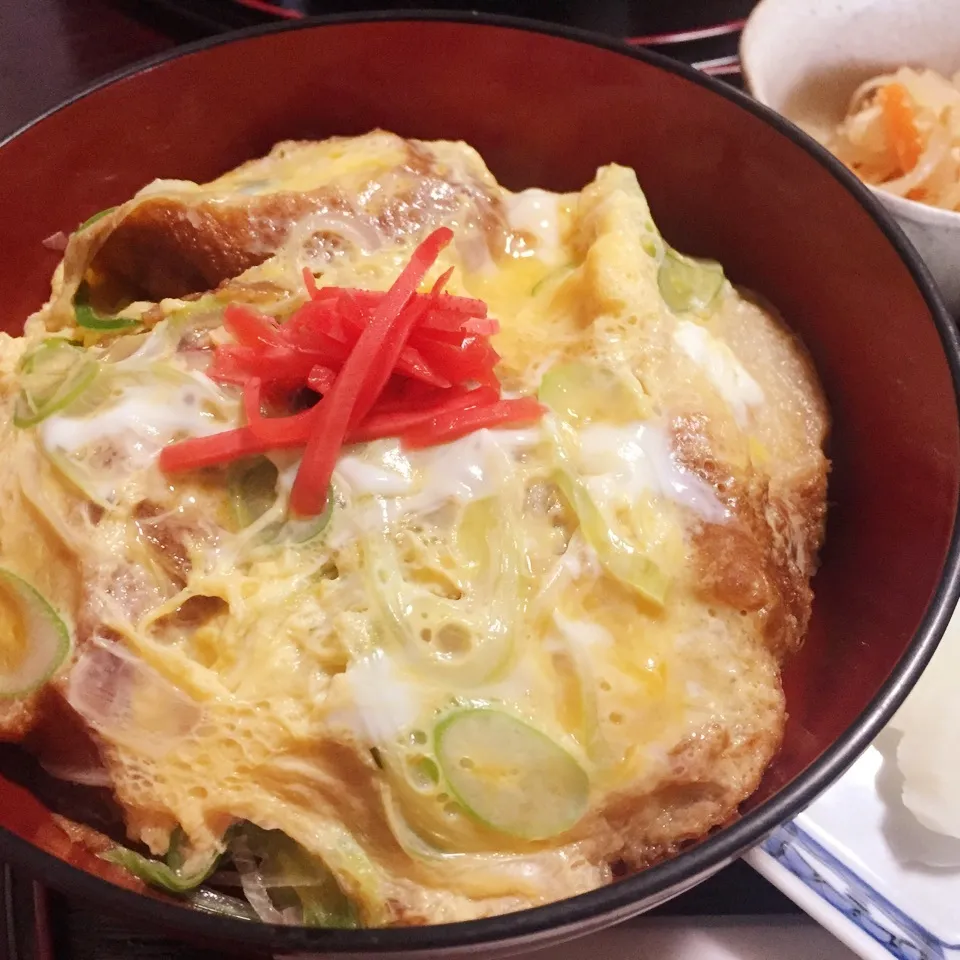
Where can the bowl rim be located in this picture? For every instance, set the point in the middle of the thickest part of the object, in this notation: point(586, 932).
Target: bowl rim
point(925, 214)
point(671, 877)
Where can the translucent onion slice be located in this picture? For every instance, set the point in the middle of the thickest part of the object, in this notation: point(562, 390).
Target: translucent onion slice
point(285, 884)
point(251, 880)
point(357, 229)
point(86, 776)
point(125, 700)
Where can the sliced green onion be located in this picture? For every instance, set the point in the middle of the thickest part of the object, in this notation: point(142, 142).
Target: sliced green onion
point(252, 486)
point(176, 875)
point(182, 860)
point(91, 319)
point(253, 489)
point(620, 558)
point(36, 641)
point(509, 775)
point(580, 391)
point(553, 277)
point(153, 872)
point(51, 377)
point(688, 284)
point(90, 221)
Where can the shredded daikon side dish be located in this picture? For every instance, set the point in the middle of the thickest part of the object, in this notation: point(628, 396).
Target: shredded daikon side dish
point(902, 133)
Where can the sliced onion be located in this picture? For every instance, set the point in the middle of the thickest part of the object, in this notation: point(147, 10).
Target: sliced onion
point(938, 150)
point(357, 229)
point(253, 885)
point(867, 89)
point(105, 686)
point(88, 776)
point(140, 350)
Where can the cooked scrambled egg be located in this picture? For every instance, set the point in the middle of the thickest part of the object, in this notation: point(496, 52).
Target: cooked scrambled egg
point(507, 667)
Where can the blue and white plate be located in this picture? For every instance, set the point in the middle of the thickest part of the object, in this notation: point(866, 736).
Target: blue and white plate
point(859, 863)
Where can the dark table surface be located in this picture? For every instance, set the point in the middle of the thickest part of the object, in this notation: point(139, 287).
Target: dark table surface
point(49, 49)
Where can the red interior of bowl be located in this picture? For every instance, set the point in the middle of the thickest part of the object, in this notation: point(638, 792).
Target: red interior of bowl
point(547, 111)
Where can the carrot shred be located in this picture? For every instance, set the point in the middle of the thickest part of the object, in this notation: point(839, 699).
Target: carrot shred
point(901, 130)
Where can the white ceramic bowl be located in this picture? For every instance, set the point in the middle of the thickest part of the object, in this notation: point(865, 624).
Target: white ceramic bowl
point(804, 58)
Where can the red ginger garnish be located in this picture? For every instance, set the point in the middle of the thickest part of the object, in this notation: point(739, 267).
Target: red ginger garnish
point(418, 366)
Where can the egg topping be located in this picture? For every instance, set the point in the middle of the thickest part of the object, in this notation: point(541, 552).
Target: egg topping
point(494, 672)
